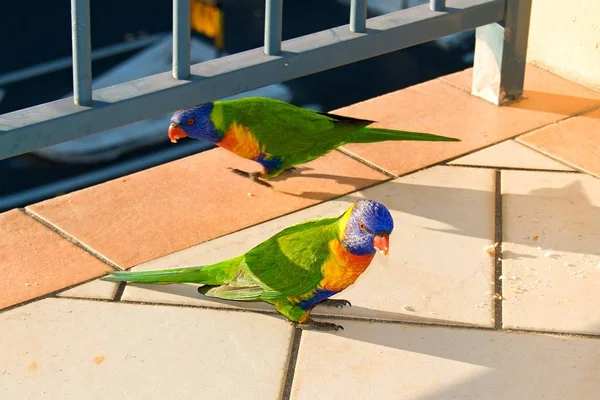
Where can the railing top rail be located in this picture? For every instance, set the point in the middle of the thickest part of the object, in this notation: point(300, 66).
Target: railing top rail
point(59, 121)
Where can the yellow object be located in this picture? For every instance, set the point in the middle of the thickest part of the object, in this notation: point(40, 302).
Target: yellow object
point(207, 19)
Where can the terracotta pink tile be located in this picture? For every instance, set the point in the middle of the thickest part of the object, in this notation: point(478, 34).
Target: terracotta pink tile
point(440, 108)
point(35, 261)
point(575, 141)
point(189, 201)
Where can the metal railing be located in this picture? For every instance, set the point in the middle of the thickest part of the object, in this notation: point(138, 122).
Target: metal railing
point(497, 77)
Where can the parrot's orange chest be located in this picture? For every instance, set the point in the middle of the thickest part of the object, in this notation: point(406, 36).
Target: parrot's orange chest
point(239, 140)
point(342, 268)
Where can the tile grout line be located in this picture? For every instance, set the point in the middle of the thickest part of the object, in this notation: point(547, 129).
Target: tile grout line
point(119, 292)
point(369, 164)
point(447, 161)
point(454, 85)
point(52, 294)
point(335, 317)
point(498, 251)
point(578, 114)
point(291, 368)
point(553, 157)
point(560, 121)
point(557, 171)
point(273, 312)
point(71, 239)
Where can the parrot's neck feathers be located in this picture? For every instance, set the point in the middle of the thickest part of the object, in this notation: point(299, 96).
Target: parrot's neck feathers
point(343, 222)
point(216, 117)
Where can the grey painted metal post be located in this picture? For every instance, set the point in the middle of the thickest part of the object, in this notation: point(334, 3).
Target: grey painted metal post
point(273, 24)
point(358, 16)
point(437, 5)
point(181, 39)
point(500, 55)
point(82, 52)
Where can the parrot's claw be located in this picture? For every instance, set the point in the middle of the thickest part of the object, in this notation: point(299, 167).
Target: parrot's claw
point(336, 303)
point(254, 176)
point(313, 325)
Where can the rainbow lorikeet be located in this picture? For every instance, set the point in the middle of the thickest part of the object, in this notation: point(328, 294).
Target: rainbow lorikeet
point(276, 134)
point(295, 269)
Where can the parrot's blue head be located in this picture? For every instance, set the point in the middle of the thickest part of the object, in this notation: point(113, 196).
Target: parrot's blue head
point(194, 122)
point(368, 228)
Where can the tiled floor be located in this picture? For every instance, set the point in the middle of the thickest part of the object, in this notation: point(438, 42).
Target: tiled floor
point(441, 317)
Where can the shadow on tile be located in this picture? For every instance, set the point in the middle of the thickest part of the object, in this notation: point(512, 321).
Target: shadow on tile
point(340, 179)
point(513, 255)
point(554, 103)
point(436, 203)
point(187, 294)
point(458, 363)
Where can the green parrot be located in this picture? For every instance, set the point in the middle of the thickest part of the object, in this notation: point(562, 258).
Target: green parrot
point(294, 270)
point(276, 134)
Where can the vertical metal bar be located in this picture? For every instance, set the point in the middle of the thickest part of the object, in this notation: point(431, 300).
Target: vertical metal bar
point(181, 39)
point(437, 5)
point(358, 16)
point(500, 55)
point(82, 52)
point(273, 24)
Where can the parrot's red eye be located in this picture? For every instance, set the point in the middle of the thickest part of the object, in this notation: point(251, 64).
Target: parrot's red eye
point(361, 226)
point(191, 121)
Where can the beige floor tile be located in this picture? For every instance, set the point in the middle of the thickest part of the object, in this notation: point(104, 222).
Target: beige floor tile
point(551, 252)
point(510, 154)
point(95, 289)
point(575, 141)
point(170, 207)
point(437, 270)
point(73, 349)
point(389, 361)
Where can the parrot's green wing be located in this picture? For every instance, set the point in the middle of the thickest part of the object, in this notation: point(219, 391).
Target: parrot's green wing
point(295, 258)
point(288, 264)
point(284, 129)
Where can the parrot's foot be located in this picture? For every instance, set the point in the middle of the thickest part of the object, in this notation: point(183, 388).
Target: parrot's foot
point(313, 325)
point(254, 176)
point(336, 303)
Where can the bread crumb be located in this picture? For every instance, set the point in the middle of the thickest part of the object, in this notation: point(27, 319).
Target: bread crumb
point(409, 308)
point(491, 249)
point(536, 237)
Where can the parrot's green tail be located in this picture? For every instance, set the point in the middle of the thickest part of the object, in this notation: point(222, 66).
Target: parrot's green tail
point(371, 135)
point(161, 276)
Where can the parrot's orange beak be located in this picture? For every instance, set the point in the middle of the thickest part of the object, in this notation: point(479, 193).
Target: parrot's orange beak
point(175, 132)
point(382, 243)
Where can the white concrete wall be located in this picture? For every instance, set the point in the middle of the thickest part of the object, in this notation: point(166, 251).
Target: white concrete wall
point(564, 38)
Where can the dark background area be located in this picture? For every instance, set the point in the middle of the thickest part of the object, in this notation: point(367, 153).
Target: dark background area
point(40, 31)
